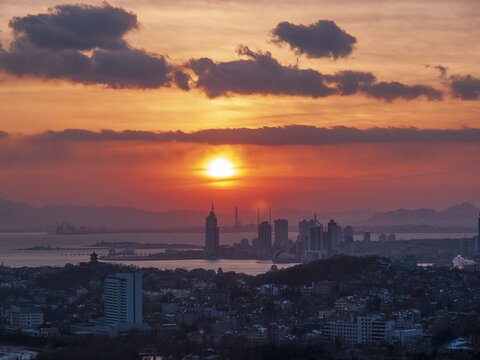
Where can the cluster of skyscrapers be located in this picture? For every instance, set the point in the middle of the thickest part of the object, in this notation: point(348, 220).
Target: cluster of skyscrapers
point(314, 241)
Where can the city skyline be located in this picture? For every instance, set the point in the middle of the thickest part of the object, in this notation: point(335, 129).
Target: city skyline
point(171, 105)
point(239, 179)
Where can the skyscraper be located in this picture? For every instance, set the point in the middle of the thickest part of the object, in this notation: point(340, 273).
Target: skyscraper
point(281, 233)
point(237, 223)
point(348, 233)
point(123, 299)
point(212, 234)
point(477, 238)
point(304, 234)
point(366, 236)
point(265, 239)
point(313, 240)
point(334, 235)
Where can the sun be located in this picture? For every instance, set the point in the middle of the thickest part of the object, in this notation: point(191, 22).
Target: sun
point(221, 168)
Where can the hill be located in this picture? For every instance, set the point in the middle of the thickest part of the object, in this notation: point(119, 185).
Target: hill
point(460, 216)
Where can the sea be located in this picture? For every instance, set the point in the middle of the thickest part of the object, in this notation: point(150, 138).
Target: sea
point(74, 249)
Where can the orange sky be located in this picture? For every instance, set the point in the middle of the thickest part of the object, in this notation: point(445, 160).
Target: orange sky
point(394, 41)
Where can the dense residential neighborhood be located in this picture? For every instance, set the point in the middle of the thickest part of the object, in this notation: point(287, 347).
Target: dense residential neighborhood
point(344, 307)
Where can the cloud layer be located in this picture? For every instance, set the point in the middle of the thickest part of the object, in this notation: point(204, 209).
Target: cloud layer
point(322, 39)
point(262, 74)
point(268, 136)
point(85, 44)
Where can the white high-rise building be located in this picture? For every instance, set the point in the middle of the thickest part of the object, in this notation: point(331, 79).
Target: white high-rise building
point(123, 299)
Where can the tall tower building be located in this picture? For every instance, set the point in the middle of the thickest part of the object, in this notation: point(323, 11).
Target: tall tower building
point(348, 235)
point(123, 299)
point(281, 233)
point(477, 238)
point(237, 223)
point(304, 233)
point(315, 239)
point(367, 236)
point(265, 239)
point(212, 234)
point(334, 235)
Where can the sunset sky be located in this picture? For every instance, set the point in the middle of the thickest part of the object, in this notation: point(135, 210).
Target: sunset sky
point(317, 105)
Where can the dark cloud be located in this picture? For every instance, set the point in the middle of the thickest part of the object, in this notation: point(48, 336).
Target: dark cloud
point(50, 46)
point(261, 74)
point(465, 87)
point(182, 80)
point(269, 136)
point(79, 27)
point(322, 39)
point(122, 68)
point(348, 82)
point(390, 91)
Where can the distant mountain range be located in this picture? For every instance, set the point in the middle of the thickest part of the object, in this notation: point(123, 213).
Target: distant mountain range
point(23, 217)
point(462, 216)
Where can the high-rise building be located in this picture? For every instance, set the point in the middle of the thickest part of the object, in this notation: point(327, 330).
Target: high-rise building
point(382, 237)
point(304, 234)
point(334, 235)
point(123, 299)
point(348, 235)
point(237, 222)
point(315, 239)
point(281, 234)
point(477, 238)
point(265, 239)
point(212, 234)
point(367, 236)
point(312, 236)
